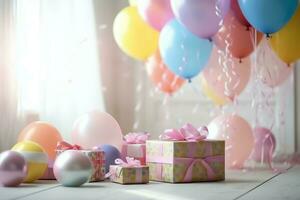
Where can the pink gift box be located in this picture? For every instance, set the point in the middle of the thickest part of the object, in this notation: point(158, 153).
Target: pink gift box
point(136, 151)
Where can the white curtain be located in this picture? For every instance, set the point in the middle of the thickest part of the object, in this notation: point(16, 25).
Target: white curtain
point(51, 69)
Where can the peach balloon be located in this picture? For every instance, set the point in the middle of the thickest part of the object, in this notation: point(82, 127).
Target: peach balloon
point(44, 134)
point(161, 76)
point(96, 128)
point(236, 38)
point(238, 137)
point(227, 77)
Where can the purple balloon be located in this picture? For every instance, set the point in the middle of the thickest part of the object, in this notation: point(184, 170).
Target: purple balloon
point(264, 145)
point(111, 154)
point(13, 168)
point(202, 17)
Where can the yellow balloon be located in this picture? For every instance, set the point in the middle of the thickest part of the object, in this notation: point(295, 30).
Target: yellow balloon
point(286, 42)
point(133, 35)
point(208, 91)
point(35, 157)
point(132, 2)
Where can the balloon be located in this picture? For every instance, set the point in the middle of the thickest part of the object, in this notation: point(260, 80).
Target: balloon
point(201, 17)
point(227, 77)
point(286, 42)
point(235, 38)
point(72, 168)
point(235, 7)
point(155, 12)
point(211, 94)
point(44, 134)
point(96, 128)
point(270, 69)
point(136, 38)
point(268, 16)
point(13, 169)
point(264, 144)
point(36, 159)
point(184, 53)
point(161, 76)
point(238, 137)
point(111, 154)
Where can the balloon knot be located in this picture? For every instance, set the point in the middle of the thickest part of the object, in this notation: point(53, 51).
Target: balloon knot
point(210, 39)
point(247, 28)
point(189, 80)
point(269, 36)
point(240, 61)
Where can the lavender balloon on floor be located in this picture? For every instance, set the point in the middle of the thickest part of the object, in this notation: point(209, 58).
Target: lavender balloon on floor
point(111, 154)
point(13, 169)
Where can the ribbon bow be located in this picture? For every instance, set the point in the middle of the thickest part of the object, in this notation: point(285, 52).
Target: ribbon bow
point(186, 133)
point(62, 145)
point(136, 138)
point(130, 162)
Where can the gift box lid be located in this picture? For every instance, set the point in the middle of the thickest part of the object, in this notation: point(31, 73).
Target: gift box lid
point(166, 151)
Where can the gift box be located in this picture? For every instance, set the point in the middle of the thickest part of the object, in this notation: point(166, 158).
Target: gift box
point(134, 145)
point(97, 158)
point(186, 158)
point(126, 173)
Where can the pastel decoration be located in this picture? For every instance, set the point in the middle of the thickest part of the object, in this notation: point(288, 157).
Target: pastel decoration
point(235, 7)
point(128, 171)
point(36, 158)
point(286, 42)
point(130, 31)
point(264, 145)
point(226, 77)
point(271, 70)
point(184, 53)
point(238, 137)
point(134, 146)
point(211, 94)
point(43, 134)
point(268, 16)
point(13, 169)
point(201, 17)
point(155, 12)
point(161, 76)
point(132, 2)
point(96, 128)
point(235, 38)
point(72, 168)
point(111, 154)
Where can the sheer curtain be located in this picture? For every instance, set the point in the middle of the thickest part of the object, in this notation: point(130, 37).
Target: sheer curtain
point(50, 69)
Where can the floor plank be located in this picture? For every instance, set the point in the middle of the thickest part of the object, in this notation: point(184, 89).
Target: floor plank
point(236, 184)
point(26, 189)
point(283, 186)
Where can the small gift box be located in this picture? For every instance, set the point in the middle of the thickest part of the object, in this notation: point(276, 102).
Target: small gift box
point(97, 158)
point(134, 145)
point(185, 155)
point(129, 172)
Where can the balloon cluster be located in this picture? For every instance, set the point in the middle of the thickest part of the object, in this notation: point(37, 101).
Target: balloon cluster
point(179, 39)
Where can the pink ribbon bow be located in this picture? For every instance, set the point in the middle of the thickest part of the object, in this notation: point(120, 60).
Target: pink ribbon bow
point(130, 162)
point(187, 133)
point(62, 145)
point(136, 138)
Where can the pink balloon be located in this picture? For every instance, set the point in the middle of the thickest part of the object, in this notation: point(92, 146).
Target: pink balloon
point(264, 144)
point(235, 7)
point(227, 76)
point(155, 12)
point(271, 70)
point(201, 17)
point(96, 128)
point(236, 38)
point(238, 137)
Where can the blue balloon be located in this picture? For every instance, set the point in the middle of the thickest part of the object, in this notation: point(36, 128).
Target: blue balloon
point(268, 16)
point(184, 53)
point(111, 154)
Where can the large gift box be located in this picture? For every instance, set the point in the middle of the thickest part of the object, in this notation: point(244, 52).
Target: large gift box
point(129, 172)
point(97, 157)
point(186, 158)
point(134, 146)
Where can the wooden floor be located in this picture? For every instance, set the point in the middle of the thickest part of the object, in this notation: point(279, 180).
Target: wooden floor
point(259, 184)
